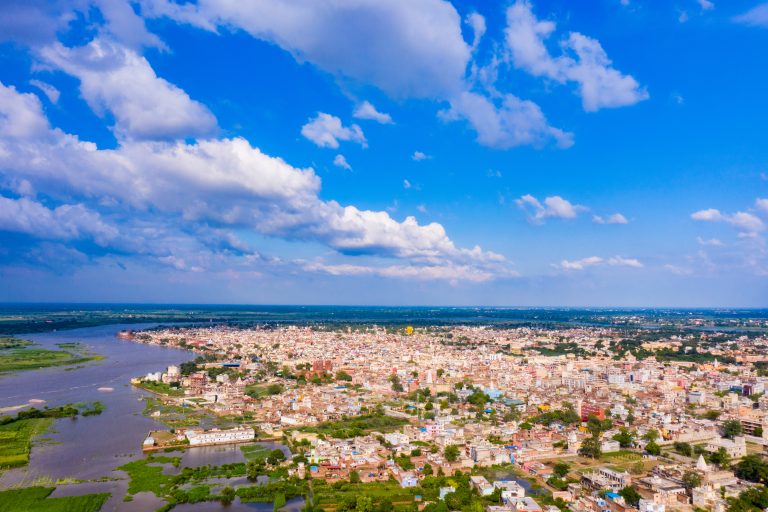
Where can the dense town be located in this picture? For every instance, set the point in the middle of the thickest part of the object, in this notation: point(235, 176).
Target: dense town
point(522, 419)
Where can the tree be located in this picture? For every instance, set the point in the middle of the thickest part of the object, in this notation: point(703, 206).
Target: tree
point(625, 437)
point(342, 375)
point(590, 447)
point(275, 457)
point(451, 453)
point(758, 432)
point(354, 477)
point(396, 385)
point(753, 468)
point(751, 500)
point(630, 495)
point(651, 435)
point(227, 495)
point(254, 470)
point(364, 504)
point(732, 428)
point(594, 425)
point(691, 480)
point(427, 470)
point(652, 448)
point(721, 458)
point(561, 469)
point(683, 448)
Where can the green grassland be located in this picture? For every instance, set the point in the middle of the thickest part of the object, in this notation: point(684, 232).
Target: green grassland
point(161, 388)
point(147, 475)
point(255, 452)
point(35, 499)
point(20, 359)
point(16, 441)
point(334, 496)
point(357, 426)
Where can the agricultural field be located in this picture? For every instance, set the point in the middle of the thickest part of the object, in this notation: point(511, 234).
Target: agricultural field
point(35, 499)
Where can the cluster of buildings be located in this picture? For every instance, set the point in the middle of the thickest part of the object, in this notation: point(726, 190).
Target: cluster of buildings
point(429, 376)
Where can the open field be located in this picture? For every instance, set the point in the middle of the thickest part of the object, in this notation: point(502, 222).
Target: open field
point(357, 426)
point(35, 499)
point(16, 440)
point(334, 496)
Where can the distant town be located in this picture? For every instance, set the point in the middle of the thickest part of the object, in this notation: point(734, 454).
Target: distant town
point(590, 418)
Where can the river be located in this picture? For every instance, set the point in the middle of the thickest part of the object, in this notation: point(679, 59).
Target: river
point(92, 447)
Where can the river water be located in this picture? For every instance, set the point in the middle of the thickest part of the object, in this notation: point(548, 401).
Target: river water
point(92, 447)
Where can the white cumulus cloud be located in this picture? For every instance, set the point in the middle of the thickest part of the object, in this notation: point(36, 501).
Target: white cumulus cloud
point(115, 79)
point(326, 131)
point(226, 183)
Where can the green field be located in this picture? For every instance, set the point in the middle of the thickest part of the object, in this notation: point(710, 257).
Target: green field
point(35, 499)
point(255, 452)
point(16, 441)
point(335, 496)
point(33, 358)
point(357, 426)
point(147, 475)
point(161, 388)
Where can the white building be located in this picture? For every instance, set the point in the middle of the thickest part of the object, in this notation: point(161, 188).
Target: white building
point(234, 435)
point(650, 506)
point(736, 448)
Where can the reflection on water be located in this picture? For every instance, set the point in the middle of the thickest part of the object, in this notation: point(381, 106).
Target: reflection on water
point(294, 505)
point(91, 447)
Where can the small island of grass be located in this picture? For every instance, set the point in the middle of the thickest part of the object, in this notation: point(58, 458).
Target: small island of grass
point(16, 355)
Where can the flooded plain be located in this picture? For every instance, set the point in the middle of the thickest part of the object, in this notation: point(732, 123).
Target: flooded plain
point(89, 448)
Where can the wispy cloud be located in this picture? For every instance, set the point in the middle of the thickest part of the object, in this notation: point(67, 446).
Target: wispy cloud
point(366, 110)
point(755, 17)
point(341, 161)
point(593, 261)
point(552, 207)
point(615, 218)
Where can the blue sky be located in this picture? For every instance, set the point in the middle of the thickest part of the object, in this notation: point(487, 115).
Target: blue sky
point(368, 152)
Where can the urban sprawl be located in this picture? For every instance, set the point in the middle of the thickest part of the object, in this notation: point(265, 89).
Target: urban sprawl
point(519, 419)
